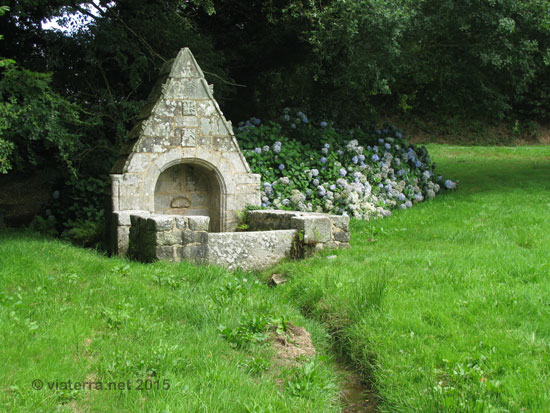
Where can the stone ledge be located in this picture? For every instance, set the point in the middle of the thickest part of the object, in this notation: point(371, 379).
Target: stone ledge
point(176, 238)
point(249, 250)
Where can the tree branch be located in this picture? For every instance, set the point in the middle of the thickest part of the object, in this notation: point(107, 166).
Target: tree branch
point(144, 42)
point(223, 80)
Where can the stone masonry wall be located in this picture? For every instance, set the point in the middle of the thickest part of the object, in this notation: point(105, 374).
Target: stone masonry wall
point(168, 237)
point(182, 123)
point(250, 250)
point(318, 230)
point(282, 234)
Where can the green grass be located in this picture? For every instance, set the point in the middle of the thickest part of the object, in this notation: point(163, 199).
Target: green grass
point(447, 310)
point(71, 314)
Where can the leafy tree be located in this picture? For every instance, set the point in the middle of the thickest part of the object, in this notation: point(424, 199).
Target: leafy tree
point(476, 56)
point(35, 121)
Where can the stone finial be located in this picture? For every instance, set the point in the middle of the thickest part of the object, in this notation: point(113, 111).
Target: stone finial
point(185, 66)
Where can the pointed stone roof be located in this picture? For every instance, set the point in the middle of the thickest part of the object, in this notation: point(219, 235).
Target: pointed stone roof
point(180, 112)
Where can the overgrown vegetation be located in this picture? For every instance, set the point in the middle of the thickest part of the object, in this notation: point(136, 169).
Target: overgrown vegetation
point(363, 173)
point(183, 337)
point(73, 94)
point(444, 307)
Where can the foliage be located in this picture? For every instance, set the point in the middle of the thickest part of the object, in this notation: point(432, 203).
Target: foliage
point(347, 60)
point(121, 321)
point(76, 210)
point(36, 123)
point(87, 233)
point(335, 173)
point(493, 49)
point(444, 307)
point(44, 226)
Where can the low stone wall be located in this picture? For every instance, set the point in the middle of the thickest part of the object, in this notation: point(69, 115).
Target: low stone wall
point(275, 235)
point(317, 231)
point(168, 237)
point(250, 250)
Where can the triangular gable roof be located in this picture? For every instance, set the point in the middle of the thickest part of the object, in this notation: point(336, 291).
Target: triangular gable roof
point(180, 111)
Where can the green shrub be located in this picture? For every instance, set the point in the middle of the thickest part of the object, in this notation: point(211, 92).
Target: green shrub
point(360, 172)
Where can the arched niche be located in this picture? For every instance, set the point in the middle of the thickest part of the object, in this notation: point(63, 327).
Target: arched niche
point(189, 189)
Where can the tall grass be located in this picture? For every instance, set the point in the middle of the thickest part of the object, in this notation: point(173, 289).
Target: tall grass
point(445, 307)
point(71, 314)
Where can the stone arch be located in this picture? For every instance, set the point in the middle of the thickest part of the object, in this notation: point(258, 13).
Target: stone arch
point(191, 187)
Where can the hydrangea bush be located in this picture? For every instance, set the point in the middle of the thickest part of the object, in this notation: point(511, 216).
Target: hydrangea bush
point(362, 173)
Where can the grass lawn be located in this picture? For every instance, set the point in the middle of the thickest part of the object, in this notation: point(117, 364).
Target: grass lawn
point(444, 307)
point(193, 339)
point(447, 306)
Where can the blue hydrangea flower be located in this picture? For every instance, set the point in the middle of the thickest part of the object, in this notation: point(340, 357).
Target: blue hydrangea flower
point(286, 117)
point(281, 167)
point(387, 146)
point(378, 132)
point(323, 160)
point(361, 157)
point(333, 187)
point(315, 182)
point(400, 172)
point(401, 197)
point(340, 152)
point(450, 184)
point(375, 158)
point(255, 121)
point(285, 201)
point(398, 134)
point(258, 150)
point(343, 172)
point(293, 125)
point(381, 141)
point(355, 159)
point(418, 164)
point(323, 124)
point(380, 186)
point(375, 149)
